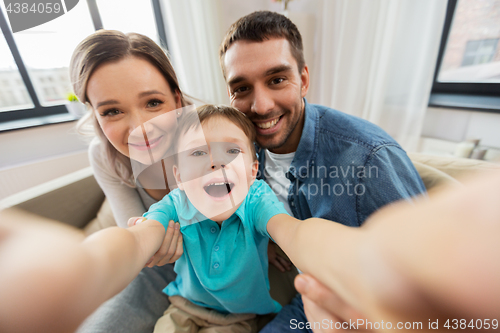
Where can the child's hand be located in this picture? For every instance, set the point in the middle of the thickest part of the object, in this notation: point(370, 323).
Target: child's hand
point(170, 250)
point(281, 263)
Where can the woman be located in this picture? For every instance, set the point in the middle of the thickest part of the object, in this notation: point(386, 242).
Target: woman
point(134, 100)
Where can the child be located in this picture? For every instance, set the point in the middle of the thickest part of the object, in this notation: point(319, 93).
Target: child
point(222, 277)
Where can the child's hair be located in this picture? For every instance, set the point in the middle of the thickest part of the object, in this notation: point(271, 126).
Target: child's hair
point(203, 113)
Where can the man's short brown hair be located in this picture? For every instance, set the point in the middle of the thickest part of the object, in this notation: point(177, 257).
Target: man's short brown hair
point(260, 26)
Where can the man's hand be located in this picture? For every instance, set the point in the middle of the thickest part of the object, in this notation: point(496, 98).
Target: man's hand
point(321, 303)
point(171, 249)
point(281, 263)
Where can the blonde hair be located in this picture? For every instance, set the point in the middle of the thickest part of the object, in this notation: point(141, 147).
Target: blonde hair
point(107, 46)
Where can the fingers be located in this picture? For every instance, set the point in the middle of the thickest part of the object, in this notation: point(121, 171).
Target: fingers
point(324, 298)
point(277, 263)
point(178, 251)
point(135, 220)
point(171, 252)
point(165, 246)
point(287, 265)
point(316, 313)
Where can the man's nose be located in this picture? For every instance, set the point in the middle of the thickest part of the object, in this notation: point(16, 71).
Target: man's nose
point(263, 101)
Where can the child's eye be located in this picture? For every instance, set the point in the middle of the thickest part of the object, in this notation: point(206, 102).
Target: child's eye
point(234, 151)
point(198, 153)
point(110, 113)
point(154, 103)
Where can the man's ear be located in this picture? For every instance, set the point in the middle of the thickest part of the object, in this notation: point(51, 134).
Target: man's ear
point(255, 170)
point(304, 81)
point(177, 176)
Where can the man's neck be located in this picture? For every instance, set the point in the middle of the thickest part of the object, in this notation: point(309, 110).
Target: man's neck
point(292, 143)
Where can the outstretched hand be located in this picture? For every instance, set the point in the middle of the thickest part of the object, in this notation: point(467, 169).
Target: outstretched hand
point(324, 306)
point(170, 250)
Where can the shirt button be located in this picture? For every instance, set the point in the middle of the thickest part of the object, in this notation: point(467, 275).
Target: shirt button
point(292, 204)
point(213, 230)
point(216, 265)
point(216, 248)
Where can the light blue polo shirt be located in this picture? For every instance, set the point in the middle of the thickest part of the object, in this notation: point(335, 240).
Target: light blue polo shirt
point(224, 268)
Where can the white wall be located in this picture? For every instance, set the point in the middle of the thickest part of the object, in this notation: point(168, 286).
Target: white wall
point(32, 156)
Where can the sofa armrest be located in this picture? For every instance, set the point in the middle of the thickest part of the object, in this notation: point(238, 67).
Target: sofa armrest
point(73, 199)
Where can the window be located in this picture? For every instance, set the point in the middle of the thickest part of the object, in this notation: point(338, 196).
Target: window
point(479, 52)
point(13, 92)
point(34, 75)
point(468, 68)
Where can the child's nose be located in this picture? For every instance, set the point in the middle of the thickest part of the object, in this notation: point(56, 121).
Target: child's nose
point(215, 167)
point(217, 159)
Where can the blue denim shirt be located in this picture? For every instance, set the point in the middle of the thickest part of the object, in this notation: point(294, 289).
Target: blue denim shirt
point(345, 168)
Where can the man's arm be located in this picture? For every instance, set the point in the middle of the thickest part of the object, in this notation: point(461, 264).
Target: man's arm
point(320, 247)
point(53, 276)
point(432, 258)
point(389, 176)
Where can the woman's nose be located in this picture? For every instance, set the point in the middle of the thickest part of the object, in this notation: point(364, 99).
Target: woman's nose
point(140, 127)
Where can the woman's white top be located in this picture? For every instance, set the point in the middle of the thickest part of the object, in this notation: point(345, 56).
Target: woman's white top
point(125, 202)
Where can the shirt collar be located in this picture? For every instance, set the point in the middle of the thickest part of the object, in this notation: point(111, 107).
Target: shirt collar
point(307, 148)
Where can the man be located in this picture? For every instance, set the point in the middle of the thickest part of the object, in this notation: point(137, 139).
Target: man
point(319, 161)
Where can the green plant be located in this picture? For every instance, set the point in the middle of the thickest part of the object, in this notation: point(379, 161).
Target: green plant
point(72, 97)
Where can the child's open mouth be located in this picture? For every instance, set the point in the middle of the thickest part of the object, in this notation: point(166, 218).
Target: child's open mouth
point(219, 189)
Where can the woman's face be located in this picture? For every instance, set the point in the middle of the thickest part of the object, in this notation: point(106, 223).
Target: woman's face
point(132, 103)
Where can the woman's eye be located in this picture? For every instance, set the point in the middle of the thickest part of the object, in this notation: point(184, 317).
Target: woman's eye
point(110, 113)
point(154, 103)
point(234, 151)
point(198, 153)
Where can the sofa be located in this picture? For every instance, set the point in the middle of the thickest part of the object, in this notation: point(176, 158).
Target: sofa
point(76, 199)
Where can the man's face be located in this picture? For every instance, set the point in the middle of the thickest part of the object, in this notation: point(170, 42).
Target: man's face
point(264, 83)
point(215, 167)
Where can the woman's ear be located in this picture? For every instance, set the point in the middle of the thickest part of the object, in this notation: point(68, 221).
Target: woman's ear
point(177, 176)
point(178, 103)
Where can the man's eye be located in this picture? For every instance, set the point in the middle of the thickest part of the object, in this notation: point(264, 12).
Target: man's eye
point(234, 151)
point(198, 153)
point(240, 90)
point(154, 103)
point(110, 113)
point(277, 80)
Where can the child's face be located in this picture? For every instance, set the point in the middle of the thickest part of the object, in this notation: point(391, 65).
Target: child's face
point(215, 167)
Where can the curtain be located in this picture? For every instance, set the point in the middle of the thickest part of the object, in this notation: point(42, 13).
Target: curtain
point(194, 36)
point(375, 59)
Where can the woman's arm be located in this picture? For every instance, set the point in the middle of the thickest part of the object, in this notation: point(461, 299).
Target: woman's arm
point(125, 201)
point(52, 278)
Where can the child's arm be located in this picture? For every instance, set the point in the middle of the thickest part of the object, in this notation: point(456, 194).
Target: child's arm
point(50, 274)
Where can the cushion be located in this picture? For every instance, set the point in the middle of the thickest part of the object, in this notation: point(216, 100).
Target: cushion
point(104, 219)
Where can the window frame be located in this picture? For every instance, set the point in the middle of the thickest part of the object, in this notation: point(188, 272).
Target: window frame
point(461, 95)
point(40, 115)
